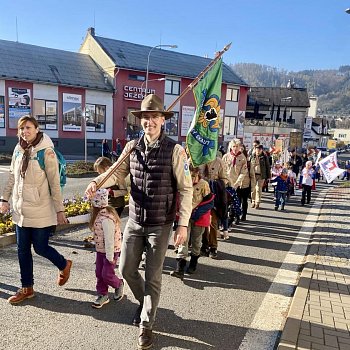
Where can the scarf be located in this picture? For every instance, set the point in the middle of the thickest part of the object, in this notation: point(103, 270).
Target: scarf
point(27, 147)
point(284, 177)
point(235, 155)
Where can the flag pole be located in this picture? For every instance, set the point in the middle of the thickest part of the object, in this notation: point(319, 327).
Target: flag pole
point(118, 163)
point(200, 76)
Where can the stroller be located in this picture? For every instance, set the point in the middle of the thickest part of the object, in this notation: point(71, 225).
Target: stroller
point(233, 206)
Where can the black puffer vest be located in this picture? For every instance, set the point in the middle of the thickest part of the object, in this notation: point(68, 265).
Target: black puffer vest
point(153, 185)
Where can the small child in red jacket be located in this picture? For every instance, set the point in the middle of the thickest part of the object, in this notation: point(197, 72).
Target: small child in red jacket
point(202, 202)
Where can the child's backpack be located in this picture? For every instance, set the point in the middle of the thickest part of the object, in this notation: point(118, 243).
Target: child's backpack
point(220, 201)
point(62, 165)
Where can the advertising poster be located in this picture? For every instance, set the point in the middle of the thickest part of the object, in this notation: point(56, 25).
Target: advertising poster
point(19, 105)
point(2, 112)
point(240, 124)
point(247, 140)
point(72, 112)
point(187, 116)
point(307, 128)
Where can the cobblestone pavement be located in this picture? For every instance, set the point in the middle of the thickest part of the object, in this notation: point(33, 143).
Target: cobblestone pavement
point(319, 317)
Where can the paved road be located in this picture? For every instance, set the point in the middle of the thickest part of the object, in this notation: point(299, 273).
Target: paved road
point(236, 302)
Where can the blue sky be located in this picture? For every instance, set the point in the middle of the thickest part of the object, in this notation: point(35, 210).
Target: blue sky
point(287, 34)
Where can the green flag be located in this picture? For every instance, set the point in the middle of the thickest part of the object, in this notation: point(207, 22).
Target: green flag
point(202, 137)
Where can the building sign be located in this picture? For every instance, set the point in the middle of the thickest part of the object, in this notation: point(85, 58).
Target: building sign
point(2, 112)
point(187, 117)
point(136, 93)
point(19, 105)
point(72, 114)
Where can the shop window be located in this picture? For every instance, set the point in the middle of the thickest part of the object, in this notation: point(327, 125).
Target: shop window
point(95, 118)
point(232, 94)
point(133, 126)
point(2, 111)
point(172, 87)
point(45, 112)
point(172, 125)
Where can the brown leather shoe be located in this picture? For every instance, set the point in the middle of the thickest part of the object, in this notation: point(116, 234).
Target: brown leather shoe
point(145, 339)
point(64, 274)
point(22, 294)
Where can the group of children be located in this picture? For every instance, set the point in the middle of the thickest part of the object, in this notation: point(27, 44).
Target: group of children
point(284, 180)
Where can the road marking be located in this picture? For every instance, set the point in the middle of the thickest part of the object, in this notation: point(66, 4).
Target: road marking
point(269, 319)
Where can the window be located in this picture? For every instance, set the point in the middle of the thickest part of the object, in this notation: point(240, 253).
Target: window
point(172, 125)
point(133, 127)
point(2, 111)
point(172, 87)
point(232, 94)
point(46, 113)
point(96, 118)
point(137, 77)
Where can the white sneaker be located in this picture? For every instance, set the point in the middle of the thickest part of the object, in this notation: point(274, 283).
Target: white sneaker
point(226, 236)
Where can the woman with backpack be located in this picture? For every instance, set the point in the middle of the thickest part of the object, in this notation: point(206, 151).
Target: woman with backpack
point(36, 202)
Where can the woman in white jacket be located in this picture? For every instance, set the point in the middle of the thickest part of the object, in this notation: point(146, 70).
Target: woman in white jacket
point(37, 204)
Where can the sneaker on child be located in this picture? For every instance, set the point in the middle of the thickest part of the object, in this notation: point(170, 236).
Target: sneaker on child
point(119, 292)
point(100, 301)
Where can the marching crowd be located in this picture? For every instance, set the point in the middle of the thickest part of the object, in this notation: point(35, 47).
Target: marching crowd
point(167, 194)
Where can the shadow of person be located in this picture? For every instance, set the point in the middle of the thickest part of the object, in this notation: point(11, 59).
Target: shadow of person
point(172, 331)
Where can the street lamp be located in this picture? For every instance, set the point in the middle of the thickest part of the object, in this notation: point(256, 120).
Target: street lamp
point(149, 54)
point(158, 79)
point(86, 116)
point(347, 11)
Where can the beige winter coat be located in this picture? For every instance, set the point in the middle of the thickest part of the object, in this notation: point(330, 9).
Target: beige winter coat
point(237, 174)
point(214, 170)
point(32, 203)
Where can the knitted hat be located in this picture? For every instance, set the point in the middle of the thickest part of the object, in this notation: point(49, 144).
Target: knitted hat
point(100, 200)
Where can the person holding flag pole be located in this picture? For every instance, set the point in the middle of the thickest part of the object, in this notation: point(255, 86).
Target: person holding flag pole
point(159, 170)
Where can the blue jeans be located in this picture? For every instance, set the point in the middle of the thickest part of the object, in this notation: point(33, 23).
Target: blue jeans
point(155, 240)
point(39, 237)
point(280, 199)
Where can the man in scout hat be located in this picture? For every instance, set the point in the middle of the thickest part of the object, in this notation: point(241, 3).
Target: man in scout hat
point(159, 170)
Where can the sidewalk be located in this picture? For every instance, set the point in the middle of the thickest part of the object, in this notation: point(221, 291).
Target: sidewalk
point(319, 317)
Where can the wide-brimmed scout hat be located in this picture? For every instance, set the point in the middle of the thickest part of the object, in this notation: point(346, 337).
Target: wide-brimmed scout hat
point(152, 103)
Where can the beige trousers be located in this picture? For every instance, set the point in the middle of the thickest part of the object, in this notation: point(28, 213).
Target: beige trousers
point(257, 190)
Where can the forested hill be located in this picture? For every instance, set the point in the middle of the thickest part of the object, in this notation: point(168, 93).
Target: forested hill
point(330, 85)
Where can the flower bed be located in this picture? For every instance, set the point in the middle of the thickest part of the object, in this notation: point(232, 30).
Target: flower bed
point(72, 207)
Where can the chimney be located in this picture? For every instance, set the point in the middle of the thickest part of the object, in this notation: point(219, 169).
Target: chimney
point(91, 31)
